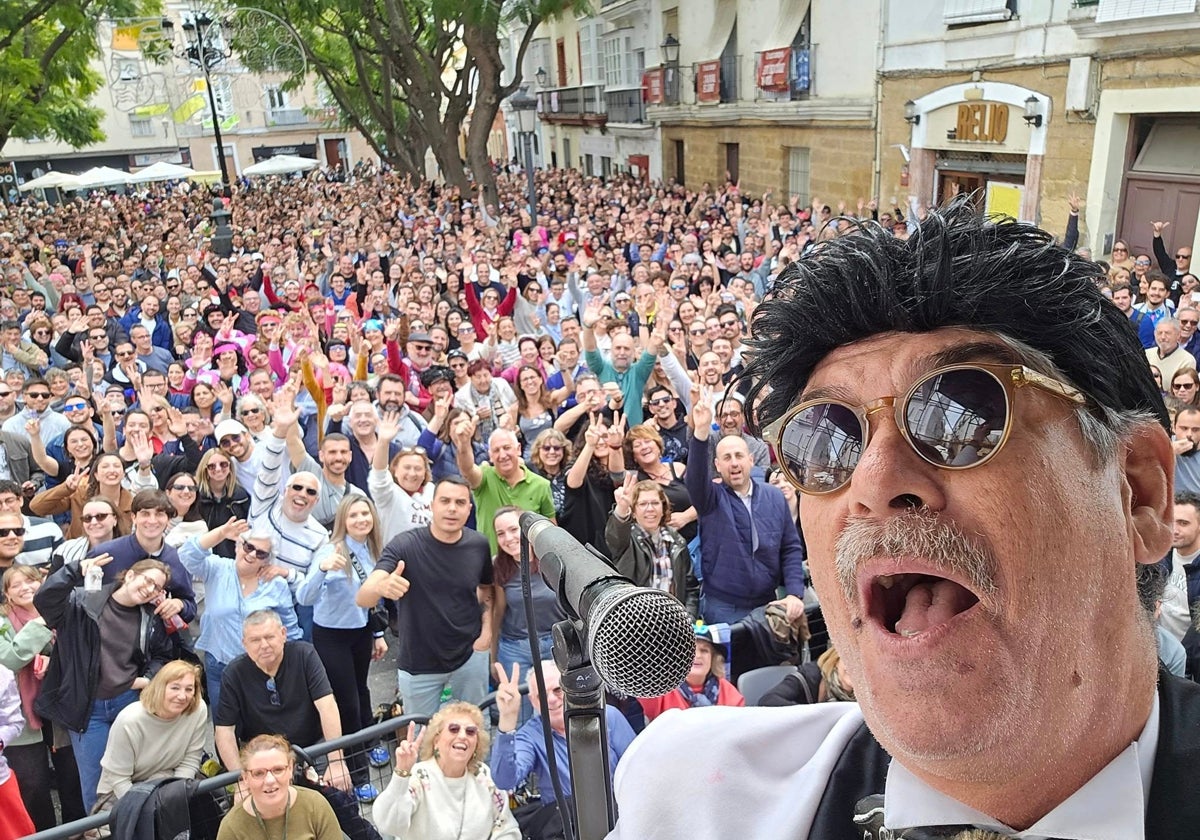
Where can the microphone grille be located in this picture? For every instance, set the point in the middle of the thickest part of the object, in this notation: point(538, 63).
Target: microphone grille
point(642, 642)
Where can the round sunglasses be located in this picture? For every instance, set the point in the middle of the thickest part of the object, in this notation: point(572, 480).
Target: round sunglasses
point(955, 417)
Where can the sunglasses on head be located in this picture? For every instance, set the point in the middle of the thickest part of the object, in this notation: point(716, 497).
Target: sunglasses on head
point(954, 417)
point(300, 488)
point(470, 729)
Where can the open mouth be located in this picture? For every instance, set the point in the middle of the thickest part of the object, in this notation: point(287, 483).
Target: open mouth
point(909, 604)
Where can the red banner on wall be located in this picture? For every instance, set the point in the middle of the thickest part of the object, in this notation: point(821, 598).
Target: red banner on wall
point(708, 81)
point(653, 86)
point(773, 69)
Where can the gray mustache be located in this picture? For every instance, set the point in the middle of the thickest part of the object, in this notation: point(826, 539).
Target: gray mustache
point(917, 533)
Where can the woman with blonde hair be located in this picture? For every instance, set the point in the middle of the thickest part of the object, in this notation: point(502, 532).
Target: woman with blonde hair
point(549, 457)
point(273, 806)
point(348, 637)
point(219, 496)
point(449, 794)
point(160, 737)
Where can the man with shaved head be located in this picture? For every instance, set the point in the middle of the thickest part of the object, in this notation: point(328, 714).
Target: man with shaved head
point(501, 480)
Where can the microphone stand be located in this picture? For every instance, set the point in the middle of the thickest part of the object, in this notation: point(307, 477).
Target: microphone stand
point(587, 734)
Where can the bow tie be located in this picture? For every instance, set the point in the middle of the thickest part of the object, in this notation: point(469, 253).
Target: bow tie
point(868, 818)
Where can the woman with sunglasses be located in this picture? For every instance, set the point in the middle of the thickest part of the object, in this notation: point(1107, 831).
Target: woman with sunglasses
point(110, 643)
point(219, 496)
point(234, 588)
point(187, 522)
point(273, 806)
point(1185, 389)
point(101, 523)
point(449, 794)
point(26, 644)
point(253, 414)
point(548, 457)
point(347, 637)
point(103, 479)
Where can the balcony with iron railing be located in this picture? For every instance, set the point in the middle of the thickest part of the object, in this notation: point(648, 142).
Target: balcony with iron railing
point(578, 105)
point(625, 105)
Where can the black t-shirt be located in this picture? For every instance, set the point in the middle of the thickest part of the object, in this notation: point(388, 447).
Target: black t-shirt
point(440, 616)
point(246, 702)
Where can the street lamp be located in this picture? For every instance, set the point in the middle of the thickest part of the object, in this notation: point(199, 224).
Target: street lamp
point(670, 54)
point(541, 75)
point(202, 48)
point(526, 107)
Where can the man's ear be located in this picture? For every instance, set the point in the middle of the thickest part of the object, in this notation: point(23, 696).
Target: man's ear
point(1149, 467)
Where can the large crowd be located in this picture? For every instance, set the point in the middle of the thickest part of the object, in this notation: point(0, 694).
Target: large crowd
point(231, 482)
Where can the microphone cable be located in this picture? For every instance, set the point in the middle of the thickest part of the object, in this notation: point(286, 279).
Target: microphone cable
point(543, 707)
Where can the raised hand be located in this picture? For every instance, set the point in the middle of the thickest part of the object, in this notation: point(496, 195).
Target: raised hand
point(233, 528)
point(462, 431)
point(409, 750)
point(508, 696)
point(33, 427)
point(702, 411)
point(616, 432)
point(143, 449)
point(591, 313)
point(395, 585)
point(389, 425)
point(88, 563)
point(623, 495)
point(1159, 227)
point(335, 562)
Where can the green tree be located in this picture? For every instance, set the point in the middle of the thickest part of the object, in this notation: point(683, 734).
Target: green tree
point(46, 49)
point(406, 73)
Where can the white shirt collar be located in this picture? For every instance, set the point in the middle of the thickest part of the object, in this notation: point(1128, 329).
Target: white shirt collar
point(1110, 806)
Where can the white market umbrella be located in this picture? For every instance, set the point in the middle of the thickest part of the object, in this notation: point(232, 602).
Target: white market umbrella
point(161, 171)
point(281, 165)
point(102, 176)
point(51, 180)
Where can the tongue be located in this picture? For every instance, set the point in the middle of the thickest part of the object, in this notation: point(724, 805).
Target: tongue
point(931, 603)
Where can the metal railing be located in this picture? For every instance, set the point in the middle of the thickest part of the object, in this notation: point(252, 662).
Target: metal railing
point(286, 116)
point(625, 106)
point(216, 786)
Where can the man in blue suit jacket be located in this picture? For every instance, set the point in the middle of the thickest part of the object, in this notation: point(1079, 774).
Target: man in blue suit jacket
point(749, 544)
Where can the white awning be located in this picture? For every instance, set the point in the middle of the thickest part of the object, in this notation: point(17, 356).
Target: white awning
point(957, 12)
point(1117, 10)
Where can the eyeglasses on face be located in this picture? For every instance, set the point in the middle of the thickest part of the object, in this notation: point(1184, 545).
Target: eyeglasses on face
point(954, 417)
point(184, 488)
point(1183, 385)
point(301, 488)
point(219, 465)
point(1183, 256)
point(230, 440)
point(89, 518)
point(12, 532)
point(248, 411)
point(281, 772)
point(1188, 322)
point(1119, 248)
point(470, 730)
point(37, 395)
point(1141, 262)
point(74, 406)
point(154, 587)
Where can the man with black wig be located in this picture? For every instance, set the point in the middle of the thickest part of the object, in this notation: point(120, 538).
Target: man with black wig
point(979, 443)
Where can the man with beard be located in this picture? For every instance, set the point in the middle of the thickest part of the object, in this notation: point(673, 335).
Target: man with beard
point(1186, 444)
point(331, 471)
point(969, 467)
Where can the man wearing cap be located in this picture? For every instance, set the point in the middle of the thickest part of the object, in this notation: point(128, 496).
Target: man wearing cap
point(969, 467)
point(235, 441)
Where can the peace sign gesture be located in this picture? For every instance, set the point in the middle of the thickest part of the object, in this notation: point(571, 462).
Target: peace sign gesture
point(409, 749)
point(508, 696)
point(623, 495)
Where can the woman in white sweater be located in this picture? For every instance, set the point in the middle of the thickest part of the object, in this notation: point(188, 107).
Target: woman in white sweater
point(402, 490)
point(159, 737)
point(449, 793)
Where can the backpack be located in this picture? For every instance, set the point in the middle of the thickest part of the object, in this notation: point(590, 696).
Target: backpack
point(156, 810)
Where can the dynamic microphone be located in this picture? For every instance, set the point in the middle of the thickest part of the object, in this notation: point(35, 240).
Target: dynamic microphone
point(639, 640)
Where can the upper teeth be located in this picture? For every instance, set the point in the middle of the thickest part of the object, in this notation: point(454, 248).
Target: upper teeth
point(886, 581)
point(908, 634)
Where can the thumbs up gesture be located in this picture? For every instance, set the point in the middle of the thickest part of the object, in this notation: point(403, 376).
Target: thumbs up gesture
point(395, 585)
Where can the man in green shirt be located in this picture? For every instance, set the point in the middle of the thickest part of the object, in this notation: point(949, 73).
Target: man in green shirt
point(502, 480)
point(629, 375)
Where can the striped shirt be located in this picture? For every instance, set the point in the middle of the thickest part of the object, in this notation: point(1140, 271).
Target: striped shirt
point(295, 542)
